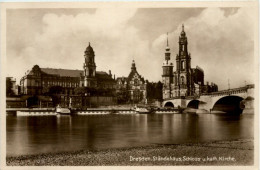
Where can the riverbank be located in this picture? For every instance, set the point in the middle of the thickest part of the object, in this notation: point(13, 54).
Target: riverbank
point(235, 152)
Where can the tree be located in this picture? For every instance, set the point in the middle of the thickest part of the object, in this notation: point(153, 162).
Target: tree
point(55, 90)
point(9, 91)
point(122, 96)
point(154, 90)
point(81, 91)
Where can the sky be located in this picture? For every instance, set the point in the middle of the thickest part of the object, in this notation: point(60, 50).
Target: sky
point(220, 40)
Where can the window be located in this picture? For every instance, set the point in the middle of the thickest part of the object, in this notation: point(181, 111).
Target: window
point(136, 82)
point(90, 72)
point(182, 65)
point(182, 80)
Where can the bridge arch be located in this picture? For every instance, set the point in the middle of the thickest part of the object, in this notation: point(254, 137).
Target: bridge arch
point(229, 104)
point(193, 104)
point(168, 104)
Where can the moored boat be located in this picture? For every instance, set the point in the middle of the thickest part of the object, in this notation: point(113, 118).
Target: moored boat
point(143, 110)
point(63, 111)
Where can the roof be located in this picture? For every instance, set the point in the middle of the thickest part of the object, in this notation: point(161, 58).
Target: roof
point(100, 75)
point(122, 79)
point(62, 72)
point(13, 99)
point(103, 76)
point(132, 73)
point(89, 49)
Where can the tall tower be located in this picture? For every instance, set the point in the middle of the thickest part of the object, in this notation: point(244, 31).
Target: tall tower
point(167, 76)
point(89, 68)
point(183, 70)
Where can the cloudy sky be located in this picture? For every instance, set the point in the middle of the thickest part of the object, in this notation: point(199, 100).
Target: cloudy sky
point(220, 40)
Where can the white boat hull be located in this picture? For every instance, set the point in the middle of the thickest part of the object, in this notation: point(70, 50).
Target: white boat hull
point(142, 110)
point(63, 111)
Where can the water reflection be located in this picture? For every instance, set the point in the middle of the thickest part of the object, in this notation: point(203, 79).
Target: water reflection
point(32, 135)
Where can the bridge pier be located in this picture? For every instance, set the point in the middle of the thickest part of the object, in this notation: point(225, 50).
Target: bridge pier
point(249, 106)
point(200, 111)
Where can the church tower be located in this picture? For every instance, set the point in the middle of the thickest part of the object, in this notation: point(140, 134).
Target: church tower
point(183, 70)
point(89, 68)
point(167, 76)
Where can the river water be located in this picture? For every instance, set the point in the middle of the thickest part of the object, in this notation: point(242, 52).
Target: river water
point(28, 135)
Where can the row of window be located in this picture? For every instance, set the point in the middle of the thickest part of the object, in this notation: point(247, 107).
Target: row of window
point(63, 84)
point(107, 85)
point(166, 81)
point(136, 82)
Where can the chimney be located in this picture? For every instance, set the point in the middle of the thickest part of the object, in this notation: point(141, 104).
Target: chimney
point(110, 74)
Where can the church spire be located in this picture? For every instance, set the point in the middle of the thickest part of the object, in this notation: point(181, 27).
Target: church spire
point(167, 50)
point(167, 40)
point(183, 34)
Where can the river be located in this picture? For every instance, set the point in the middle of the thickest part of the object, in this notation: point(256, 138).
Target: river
point(26, 135)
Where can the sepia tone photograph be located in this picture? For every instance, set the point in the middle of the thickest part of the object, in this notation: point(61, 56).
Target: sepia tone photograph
point(129, 84)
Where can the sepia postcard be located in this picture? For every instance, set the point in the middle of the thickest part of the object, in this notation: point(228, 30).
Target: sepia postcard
point(129, 85)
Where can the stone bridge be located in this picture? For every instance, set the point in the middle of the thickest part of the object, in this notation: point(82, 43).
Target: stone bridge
point(232, 100)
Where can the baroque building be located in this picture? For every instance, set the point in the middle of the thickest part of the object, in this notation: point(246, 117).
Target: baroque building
point(134, 85)
point(39, 81)
point(184, 81)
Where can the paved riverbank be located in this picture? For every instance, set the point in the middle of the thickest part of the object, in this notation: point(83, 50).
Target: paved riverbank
point(235, 152)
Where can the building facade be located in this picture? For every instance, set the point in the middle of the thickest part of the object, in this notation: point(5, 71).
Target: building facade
point(184, 81)
point(39, 81)
point(134, 85)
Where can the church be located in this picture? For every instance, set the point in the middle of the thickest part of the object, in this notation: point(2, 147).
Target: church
point(184, 81)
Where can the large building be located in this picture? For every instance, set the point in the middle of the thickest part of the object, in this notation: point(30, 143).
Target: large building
point(134, 85)
point(44, 80)
point(185, 81)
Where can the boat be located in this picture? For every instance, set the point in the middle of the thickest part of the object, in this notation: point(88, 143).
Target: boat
point(168, 110)
point(143, 110)
point(63, 111)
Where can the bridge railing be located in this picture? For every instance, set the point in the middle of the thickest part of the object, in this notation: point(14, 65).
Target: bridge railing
point(172, 98)
point(229, 91)
point(218, 93)
point(183, 97)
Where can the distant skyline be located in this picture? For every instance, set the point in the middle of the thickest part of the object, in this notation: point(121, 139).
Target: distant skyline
point(220, 40)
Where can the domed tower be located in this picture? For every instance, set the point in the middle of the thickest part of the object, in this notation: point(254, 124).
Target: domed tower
point(183, 69)
point(167, 76)
point(89, 68)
